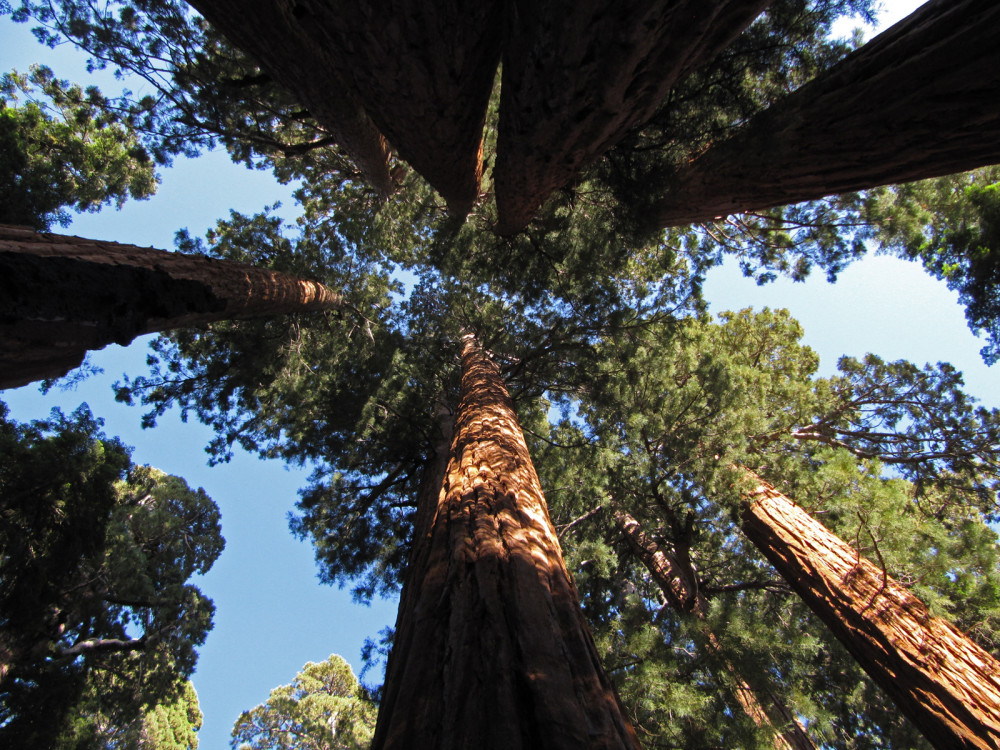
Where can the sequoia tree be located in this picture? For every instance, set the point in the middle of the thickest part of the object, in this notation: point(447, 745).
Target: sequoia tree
point(491, 648)
point(367, 397)
point(946, 684)
point(65, 295)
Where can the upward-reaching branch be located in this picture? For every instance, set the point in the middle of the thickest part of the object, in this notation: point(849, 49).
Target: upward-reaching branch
point(60, 296)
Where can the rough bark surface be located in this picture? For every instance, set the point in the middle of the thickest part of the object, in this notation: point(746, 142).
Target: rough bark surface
point(61, 296)
point(577, 74)
point(492, 650)
point(920, 100)
point(273, 32)
point(425, 72)
point(947, 685)
point(677, 580)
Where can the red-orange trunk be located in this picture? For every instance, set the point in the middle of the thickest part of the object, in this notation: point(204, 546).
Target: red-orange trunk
point(946, 684)
point(491, 649)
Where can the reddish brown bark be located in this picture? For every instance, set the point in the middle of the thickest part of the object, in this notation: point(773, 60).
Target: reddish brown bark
point(577, 74)
point(920, 100)
point(61, 296)
point(491, 647)
point(677, 580)
point(424, 72)
point(947, 685)
point(273, 33)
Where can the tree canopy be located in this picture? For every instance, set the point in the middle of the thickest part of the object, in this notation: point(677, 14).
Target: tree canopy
point(323, 708)
point(635, 404)
point(61, 148)
point(98, 621)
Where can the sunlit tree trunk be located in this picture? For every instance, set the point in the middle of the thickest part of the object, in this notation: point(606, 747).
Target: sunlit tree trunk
point(491, 648)
point(920, 100)
point(677, 582)
point(947, 685)
point(61, 296)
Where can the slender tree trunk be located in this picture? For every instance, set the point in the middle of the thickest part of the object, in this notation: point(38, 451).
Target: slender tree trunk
point(678, 583)
point(946, 684)
point(491, 649)
point(920, 100)
point(60, 296)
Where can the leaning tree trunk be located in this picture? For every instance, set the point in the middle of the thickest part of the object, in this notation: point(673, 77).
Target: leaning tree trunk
point(920, 100)
point(677, 582)
point(947, 685)
point(491, 649)
point(61, 296)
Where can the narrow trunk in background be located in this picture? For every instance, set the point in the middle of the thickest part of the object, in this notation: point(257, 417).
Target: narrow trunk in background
point(677, 582)
point(945, 684)
point(492, 650)
point(920, 100)
point(61, 296)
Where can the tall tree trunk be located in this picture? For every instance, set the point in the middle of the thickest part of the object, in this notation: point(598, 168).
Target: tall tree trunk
point(678, 583)
point(920, 100)
point(273, 33)
point(578, 74)
point(947, 685)
point(60, 296)
point(491, 649)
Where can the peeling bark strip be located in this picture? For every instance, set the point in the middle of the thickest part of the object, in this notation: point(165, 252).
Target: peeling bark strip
point(492, 650)
point(920, 100)
point(677, 581)
point(578, 74)
point(60, 296)
point(945, 684)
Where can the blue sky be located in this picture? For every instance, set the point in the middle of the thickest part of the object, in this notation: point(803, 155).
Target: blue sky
point(273, 615)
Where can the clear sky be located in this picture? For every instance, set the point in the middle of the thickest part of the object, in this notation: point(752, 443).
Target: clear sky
point(273, 615)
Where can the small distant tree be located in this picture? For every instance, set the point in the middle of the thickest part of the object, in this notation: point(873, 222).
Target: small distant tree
point(324, 708)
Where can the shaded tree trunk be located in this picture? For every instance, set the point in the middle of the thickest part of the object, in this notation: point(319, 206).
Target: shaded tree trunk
point(947, 685)
point(920, 100)
point(61, 296)
point(272, 32)
point(578, 74)
point(491, 648)
point(677, 580)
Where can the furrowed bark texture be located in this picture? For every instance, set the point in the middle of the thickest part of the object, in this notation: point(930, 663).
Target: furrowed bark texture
point(678, 583)
point(945, 684)
point(492, 650)
point(61, 296)
point(920, 100)
point(274, 33)
point(577, 74)
point(424, 72)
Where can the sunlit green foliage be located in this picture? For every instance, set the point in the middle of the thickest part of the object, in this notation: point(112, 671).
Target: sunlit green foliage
point(324, 708)
point(61, 149)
